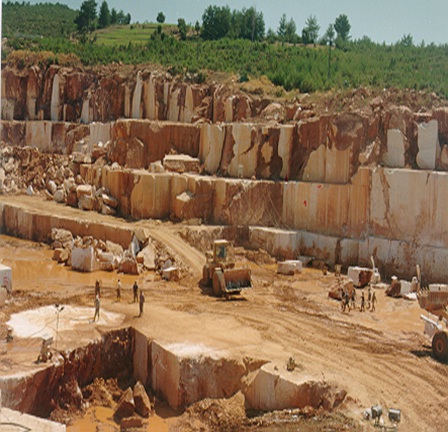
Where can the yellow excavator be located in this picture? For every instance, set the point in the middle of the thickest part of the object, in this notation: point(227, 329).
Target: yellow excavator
point(220, 273)
point(435, 300)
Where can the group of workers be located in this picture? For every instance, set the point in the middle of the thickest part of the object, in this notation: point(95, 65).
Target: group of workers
point(348, 301)
point(137, 298)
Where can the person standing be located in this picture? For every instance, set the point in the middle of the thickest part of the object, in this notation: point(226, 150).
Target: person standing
point(97, 288)
point(97, 308)
point(369, 297)
point(363, 303)
point(373, 301)
point(135, 289)
point(141, 302)
point(119, 290)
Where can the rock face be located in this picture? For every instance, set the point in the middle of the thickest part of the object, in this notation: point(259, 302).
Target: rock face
point(63, 94)
point(62, 382)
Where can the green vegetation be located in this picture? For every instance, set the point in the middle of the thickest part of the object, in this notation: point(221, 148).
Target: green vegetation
point(25, 20)
point(281, 56)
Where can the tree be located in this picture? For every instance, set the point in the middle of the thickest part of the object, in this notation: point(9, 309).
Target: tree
point(342, 27)
point(290, 33)
point(310, 32)
point(113, 16)
point(281, 31)
point(407, 40)
point(197, 27)
point(104, 16)
point(328, 39)
point(86, 19)
point(215, 22)
point(253, 25)
point(182, 27)
point(160, 17)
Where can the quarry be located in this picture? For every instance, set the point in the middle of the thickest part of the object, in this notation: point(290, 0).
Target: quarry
point(118, 173)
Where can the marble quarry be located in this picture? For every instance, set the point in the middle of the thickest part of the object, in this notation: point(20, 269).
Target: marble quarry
point(339, 187)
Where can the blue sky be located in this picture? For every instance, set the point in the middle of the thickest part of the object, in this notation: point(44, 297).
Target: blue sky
point(381, 20)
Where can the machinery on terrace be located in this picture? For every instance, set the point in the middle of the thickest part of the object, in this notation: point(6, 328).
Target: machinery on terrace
point(435, 300)
point(220, 272)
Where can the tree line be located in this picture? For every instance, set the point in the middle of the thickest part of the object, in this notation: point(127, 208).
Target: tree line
point(90, 19)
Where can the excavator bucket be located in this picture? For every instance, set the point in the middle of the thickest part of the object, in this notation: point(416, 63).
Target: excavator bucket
point(237, 279)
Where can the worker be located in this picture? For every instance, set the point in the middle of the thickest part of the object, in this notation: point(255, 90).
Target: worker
point(97, 288)
point(363, 303)
point(141, 302)
point(354, 299)
point(347, 300)
point(97, 308)
point(119, 290)
point(373, 301)
point(135, 289)
point(369, 297)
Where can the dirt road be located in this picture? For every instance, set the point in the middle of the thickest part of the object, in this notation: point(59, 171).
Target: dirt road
point(379, 357)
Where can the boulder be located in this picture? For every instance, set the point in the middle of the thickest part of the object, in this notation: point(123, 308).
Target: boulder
point(338, 287)
point(107, 210)
point(147, 257)
point(128, 265)
point(51, 186)
point(142, 235)
point(61, 238)
point(115, 248)
point(125, 406)
point(109, 200)
point(59, 196)
point(141, 400)
point(60, 255)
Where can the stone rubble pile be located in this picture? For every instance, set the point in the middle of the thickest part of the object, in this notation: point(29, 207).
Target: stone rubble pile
point(88, 254)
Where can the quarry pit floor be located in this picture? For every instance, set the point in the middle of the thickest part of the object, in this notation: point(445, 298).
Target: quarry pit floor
point(379, 357)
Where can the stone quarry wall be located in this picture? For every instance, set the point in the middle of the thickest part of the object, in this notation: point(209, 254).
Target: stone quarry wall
point(36, 393)
point(346, 185)
point(106, 94)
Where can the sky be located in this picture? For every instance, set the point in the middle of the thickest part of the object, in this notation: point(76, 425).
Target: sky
point(381, 20)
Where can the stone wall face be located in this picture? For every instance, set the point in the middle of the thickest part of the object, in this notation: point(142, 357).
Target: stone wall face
point(351, 184)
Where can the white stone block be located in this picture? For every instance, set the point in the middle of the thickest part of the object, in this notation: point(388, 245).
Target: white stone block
point(289, 267)
point(83, 259)
point(428, 145)
point(394, 157)
point(359, 275)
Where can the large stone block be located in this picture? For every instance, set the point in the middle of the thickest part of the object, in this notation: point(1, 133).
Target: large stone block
point(279, 243)
point(184, 373)
point(428, 145)
point(396, 148)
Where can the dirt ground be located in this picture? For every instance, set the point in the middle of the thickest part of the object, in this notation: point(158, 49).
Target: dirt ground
point(379, 357)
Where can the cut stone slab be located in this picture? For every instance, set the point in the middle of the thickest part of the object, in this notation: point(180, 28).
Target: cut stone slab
point(181, 163)
point(395, 155)
point(428, 145)
point(289, 267)
point(83, 259)
point(274, 388)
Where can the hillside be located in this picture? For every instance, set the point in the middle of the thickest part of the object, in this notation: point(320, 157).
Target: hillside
point(309, 68)
point(40, 20)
